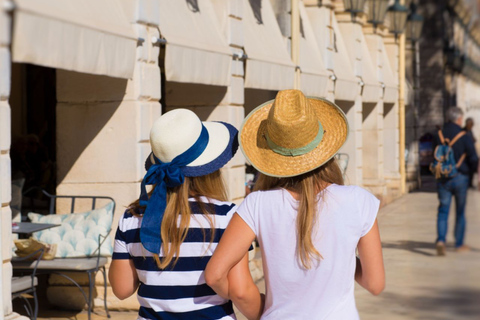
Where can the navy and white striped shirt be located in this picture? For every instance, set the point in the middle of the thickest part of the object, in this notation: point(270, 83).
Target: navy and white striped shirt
point(179, 292)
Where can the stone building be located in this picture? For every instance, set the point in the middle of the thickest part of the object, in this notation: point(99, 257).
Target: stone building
point(88, 80)
point(444, 69)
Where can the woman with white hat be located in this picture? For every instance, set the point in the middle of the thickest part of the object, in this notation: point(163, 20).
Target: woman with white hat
point(165, 238)
point(307, 223)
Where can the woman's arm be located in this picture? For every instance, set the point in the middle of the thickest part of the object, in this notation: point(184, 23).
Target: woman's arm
point(123, 278)
point(370, 272)
point(232, 247)
point(243, 291)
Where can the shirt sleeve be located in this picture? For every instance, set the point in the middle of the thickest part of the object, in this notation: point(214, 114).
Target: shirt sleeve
point(120, 250)
point(246, 211)
point(368, 206)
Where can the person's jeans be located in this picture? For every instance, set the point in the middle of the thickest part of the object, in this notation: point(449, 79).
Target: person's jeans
point(457, 187)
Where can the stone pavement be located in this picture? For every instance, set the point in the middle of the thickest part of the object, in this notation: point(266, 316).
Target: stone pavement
point(420, 285)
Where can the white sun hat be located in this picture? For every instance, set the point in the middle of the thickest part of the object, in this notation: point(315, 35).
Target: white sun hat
point(182, 146)
point(176, 131)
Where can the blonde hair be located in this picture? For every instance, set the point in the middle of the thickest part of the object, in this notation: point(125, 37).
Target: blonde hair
point(173, 231)
point(308, 186)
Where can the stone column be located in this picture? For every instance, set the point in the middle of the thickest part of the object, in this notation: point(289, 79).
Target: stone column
point(388, 123)
point(354, 144)
point(103, 126)
point(352, 109)
point(5, 171)
point(372, 163)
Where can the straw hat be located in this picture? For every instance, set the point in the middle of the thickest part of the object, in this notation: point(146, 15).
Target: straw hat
point(292, 134)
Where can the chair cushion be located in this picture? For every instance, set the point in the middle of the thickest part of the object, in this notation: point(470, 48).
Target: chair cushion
point(77, 235)
point(70, 264)
point(23, 283)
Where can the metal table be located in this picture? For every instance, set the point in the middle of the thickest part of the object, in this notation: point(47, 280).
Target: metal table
point(30, 227)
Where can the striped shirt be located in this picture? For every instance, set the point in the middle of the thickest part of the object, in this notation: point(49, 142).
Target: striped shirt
point(179, 292)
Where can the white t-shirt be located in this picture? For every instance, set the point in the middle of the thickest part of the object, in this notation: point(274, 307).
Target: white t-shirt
point(326, 291)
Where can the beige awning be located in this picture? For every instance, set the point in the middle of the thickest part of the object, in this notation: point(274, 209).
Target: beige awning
point(314, 76)
point(323, 20)
point(88, 36)
point(196, 51)
point(268, 66)
point(372, 88)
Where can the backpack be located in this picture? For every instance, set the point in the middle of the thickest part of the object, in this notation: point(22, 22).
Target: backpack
point(444, 165)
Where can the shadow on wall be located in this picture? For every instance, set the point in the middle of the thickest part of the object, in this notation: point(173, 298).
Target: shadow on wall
point(367, 110)
point(178, 94)
point(193, 5)
point(387, 108)
point(346, 106)
point(86, 103)
point(256, 97)
point(257, 10)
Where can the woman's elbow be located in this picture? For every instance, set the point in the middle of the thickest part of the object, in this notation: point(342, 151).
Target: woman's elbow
point(238, 293)
point(212, 278)
point(121, 294)
point(377, 288)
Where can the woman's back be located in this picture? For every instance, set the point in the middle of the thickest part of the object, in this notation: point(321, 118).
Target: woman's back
point(178, 291)
point(346, 213)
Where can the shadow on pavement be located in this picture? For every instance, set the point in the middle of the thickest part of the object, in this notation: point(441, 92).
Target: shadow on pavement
point(428, 184)
point(423, 248)
point(454, 303)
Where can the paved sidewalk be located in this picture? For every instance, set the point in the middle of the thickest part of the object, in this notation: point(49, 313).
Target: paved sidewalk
point(420, 285)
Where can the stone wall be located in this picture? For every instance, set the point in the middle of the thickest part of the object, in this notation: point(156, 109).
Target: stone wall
point(432, 75)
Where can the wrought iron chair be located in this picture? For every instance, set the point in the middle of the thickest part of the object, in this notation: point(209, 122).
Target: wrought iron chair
point(89, 265)
point(22, 285)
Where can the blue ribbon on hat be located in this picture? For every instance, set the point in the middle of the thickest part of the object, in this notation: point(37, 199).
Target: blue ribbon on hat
point(164, 175)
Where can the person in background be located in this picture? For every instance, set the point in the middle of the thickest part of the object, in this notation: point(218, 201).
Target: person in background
point(456, 186)
point(468, 129)
point(165, 238)
point(307, 223)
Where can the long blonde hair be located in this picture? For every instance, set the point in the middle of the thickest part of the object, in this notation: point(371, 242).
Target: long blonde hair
point(173, 231)
point(308, 186)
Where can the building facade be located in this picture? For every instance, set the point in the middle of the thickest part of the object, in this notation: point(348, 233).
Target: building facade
point(443, 68)
point(87, 81)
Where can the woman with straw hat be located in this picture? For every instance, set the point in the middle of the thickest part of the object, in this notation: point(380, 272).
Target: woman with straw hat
point(165, 238)
point(307, 223)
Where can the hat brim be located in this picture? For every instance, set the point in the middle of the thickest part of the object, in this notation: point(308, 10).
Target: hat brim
point(255, 148)
point(221, 153)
